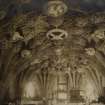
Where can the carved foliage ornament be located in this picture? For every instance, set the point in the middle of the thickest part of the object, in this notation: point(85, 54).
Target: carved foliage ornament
point(90, 51)
point(99, 33)
point(16, 37)
point(24, 29)
point(26, 54)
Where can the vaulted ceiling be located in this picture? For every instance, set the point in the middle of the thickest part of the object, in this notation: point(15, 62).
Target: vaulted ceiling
point(35, 42)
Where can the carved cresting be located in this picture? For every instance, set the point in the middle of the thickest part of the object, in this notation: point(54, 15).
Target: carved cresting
point(33, 46)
